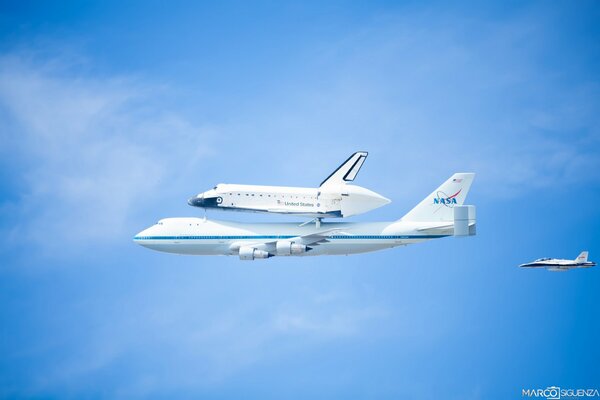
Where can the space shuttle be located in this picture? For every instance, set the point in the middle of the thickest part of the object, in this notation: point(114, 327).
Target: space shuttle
point(334, 198)
point(430, 219)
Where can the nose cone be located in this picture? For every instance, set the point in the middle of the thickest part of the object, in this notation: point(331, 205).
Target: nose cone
point(208, 199)
point(529, 265)
point(196, 201)
point(142, 237)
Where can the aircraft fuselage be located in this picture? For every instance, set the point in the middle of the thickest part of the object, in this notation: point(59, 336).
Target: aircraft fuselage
point(554, 264)
point(197, 236)
point(334, 201)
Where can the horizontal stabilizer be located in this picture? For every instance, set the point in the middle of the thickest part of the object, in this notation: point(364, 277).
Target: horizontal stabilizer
point(438, 227)
point(464, 220)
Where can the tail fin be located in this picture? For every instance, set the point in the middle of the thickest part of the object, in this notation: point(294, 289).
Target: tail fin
point(347, 171)
point(438, 206)
point(583, 257)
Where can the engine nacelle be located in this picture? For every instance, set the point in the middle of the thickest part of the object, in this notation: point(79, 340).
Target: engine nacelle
point(287, 248)
point(250, 253)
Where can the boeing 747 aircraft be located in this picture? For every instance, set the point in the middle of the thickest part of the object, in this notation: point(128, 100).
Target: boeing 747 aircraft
point(555, 264)
point(334, 198)
point(439, 215)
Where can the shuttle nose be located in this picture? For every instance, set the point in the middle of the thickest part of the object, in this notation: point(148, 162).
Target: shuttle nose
point(196, 201)
point(205, 201)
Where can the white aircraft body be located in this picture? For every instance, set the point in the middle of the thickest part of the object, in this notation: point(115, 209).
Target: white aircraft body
point(555, 264)
point(333, 198)
point(440, 214)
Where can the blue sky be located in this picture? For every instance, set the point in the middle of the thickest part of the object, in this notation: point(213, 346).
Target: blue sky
point(114, 114)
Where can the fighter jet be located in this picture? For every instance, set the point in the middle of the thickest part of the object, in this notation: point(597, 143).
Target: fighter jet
point(555, 264)
point(334, 198)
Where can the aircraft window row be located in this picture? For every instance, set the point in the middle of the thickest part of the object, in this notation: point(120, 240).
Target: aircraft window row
point(215, 237)
point(273, 237)
point(278, 195)
point(368, 237)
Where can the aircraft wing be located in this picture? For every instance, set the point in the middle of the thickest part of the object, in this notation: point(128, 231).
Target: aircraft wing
point(439, 227)
point(312, 239)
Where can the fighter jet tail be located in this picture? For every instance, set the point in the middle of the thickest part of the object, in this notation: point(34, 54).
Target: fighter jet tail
point(439, 205)
point(347, 171)
point(583, 257)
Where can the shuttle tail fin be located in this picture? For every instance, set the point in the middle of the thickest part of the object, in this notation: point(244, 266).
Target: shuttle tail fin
point(582, 258)
point(439, 205)
point(347, 171)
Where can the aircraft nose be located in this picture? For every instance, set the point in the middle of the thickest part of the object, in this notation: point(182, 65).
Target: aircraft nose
point(204, 201)
point(196, 201)
point(140, 237)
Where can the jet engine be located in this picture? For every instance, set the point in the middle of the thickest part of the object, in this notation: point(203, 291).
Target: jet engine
point(287, 248)
point(250, 253)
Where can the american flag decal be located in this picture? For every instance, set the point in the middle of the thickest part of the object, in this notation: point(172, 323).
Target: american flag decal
point(457, 180)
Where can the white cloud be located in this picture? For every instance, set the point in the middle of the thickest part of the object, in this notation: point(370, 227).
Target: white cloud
point(207, 347)
point(89, 150)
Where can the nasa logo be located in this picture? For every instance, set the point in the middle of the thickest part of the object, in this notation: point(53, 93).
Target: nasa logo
point(443, 199)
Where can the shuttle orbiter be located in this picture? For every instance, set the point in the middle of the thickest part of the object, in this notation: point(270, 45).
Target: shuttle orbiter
point(334, 198)
point(556, 264)
point(439, 215)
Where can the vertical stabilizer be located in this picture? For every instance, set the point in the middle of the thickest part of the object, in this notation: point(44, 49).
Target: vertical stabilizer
point(439, 205)
point(582, 258)
point(347, 171)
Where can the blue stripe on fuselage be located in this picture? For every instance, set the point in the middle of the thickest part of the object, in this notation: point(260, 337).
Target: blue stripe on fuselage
point(238, 237)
